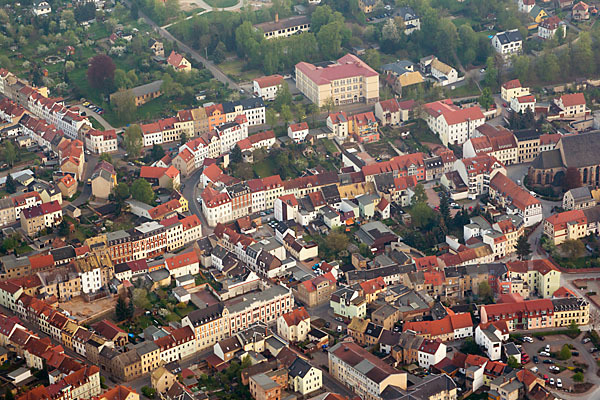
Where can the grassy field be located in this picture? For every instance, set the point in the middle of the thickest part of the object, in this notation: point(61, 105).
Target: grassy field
point(234, 69)
point(221, 3)
point(329, 145)
point(97, 125)
point(264, 168)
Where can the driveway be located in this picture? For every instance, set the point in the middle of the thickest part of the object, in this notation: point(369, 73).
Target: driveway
point(585, 357)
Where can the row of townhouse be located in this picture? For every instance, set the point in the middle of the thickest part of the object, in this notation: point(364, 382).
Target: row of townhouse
point(476, 173)
point(212, 144)
point(100, 142)
point(37, 102)
point(221, 321)
point(501, 236)
point(10, 112)
point(515, 199)
point(522, 314)
point(151, 239)
point(495, 141)
point(256, 195)
point(204, 120)
point(572, 225)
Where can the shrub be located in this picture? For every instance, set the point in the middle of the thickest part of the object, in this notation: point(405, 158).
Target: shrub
point(578, 377)
point(148, 392)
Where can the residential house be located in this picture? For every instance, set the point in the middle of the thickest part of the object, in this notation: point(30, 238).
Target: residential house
point(506, 193)
point(298, 132)
point(508, 43)
point(178, 62)
point(580, 11)
point(303, 378)
point(38, 218)
point(511, 89)
point(552, 27)
point(267, 86)
point(452, 124)
point(294, 326)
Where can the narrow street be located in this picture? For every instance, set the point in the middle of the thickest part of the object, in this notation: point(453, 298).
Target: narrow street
point(215, 71)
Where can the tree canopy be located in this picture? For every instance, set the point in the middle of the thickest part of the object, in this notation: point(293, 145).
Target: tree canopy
point(142, 191)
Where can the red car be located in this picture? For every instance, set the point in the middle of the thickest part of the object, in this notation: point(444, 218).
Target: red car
point(546, 378)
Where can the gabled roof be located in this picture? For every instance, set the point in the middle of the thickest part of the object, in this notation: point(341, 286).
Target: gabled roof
point(294, 317)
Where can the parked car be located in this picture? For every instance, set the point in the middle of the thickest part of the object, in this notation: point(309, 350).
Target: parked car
point(547, 348)
point(527, 339)
point(544, 354)
point(542, 338)
point(548, 361)
point(551, 382)
point(534, 370)
point(546, 378)
point(586, 340)
point(327, 324)
point(554, 368)
point(536, 360)
point(593, 349)
point(558, 383)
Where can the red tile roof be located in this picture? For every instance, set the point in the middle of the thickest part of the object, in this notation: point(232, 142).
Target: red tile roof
point(268, 81)
point(296, 316)
point(453, 114)
point(181, 260)
point(346, 67)
point(515, 83)
point(573, 99)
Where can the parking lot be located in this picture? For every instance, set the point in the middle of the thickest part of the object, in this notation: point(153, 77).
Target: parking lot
point(585, 360)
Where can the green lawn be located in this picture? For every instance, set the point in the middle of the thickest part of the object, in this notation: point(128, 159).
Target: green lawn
point(221, 3)
point(23, 249)
point(235, 69)
point(468, 89)
point(329, 145)
point(97, 125)
point(264, 168)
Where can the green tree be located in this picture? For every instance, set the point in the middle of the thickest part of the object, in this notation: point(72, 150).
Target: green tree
point(63, 228)
point(122, 191)
point(485, 292)
point(419, 194)
point(235, 156)
point(578, 377)
point(123, 103)
point(121, 79)
point(271, 117)
point(106, 157)
point(286, 114)
point(157, 152)
point(469, 346)
point(422, 216)
point(513, 363)
point(130, 309)
point(132, 139)
point(148, 392)
point(336, 242)
point(10, 153)
point(283, 97)
point(11, 185)
point(486, 100)
point(573, 248)
point(142, 191)
point(523, 247)
point(121, 309)
point(183, 138)
point(328, 105)
point(565, 352)
point(8, 395)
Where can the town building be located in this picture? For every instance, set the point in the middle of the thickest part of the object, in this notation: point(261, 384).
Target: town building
point(349, 80)
point(453, 125)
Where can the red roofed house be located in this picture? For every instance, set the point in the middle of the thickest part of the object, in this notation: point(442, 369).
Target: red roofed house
point(364, 126)
point(179, 62)
point(216, 206)
point(338, 123)
point(541, 276)
point(184, 161)
point(99, 142)
point(183, 264)
point(372, 288)
point(431, 352)
point(580, 11)
point(454, 125)
point(38, 218)
point(67, 186)
point(298, 132)
point(267, 86)
point(551, 27)
point(294, 325)
point(572, 106)
point(512, 89)
point(495, 141)
point(476, 173)
point(110, 331)
point(451, 327)
point(505, 192)
point(567, 225)
point(349, 80)
point(523, 104)
point(388, 112)
point(162, 177)
point(315, 291)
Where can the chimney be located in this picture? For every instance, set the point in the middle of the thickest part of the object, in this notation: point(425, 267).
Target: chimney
point(276, 17)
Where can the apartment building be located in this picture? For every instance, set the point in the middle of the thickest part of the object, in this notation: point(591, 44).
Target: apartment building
point(571, 310)
point(265, 306)
point(349, 80)
point(294, 326)
point(363, 373)
point(506, 193)
point(285, 27)
point(541, 276)
point(100, 142)
point(453, 125)
point(524, 314)
point(476, 172)
point(37, 218)
point(567, 225)
point(495, 141)
point(508, 43)
point(512, 89)
point(210, 325)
